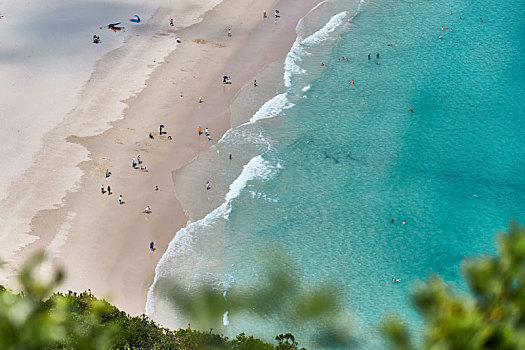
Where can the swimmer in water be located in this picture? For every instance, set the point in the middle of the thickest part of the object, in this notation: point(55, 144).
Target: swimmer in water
point(411, 110)
point(322, 64)
point(395, 280)
point(392, 221)
point(377, 62)
point(404, 222)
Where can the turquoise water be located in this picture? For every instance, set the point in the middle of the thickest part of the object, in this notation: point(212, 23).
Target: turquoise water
point(346, 159)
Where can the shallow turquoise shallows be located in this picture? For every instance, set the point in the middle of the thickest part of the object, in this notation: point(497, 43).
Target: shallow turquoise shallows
point(347, 158)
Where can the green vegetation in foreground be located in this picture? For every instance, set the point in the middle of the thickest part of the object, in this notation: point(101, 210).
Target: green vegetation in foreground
point(491, 317)
point(81, 321)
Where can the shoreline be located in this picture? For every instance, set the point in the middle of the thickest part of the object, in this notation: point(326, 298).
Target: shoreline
point(87, 234)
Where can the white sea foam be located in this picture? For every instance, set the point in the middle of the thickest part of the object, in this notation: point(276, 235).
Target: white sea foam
point(225, 320)
point(297, 52)
point(183, 242)
point(290, 63)
point(306, 88)
point(323, 33)
point(271, 108)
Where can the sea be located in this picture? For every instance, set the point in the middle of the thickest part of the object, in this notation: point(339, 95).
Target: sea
point(362, 169)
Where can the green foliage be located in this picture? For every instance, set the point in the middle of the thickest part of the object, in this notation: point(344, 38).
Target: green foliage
point(38, 320)
point(280, 294)
point(28, 323)
point(492, 317)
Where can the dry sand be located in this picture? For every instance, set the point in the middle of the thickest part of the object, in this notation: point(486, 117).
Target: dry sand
point(102, 244)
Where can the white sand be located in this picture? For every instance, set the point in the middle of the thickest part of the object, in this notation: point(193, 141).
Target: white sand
point(49, 91)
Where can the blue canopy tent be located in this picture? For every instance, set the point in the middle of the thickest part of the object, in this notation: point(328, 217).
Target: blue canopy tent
point(135, 19)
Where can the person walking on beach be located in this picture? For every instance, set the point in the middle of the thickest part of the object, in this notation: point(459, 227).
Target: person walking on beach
point(200, 99)
point(120, 199)
point(207, 185)
point(156, 188)
point(109, 190)
point(152, 246)
point(161, 126)
point(200, 130)
point(133, 163)
point(206, 131)
point(102, 189)
point(229, 32)
point(138, 159)
point(171, 22)
point(230, 156)
point(264, 14)
point(255, 83)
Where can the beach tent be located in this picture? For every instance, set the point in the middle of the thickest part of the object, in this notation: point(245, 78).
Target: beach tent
point(114, 26)
point(135, 19)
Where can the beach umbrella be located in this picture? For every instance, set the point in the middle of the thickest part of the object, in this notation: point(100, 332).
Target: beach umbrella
point(135, 19)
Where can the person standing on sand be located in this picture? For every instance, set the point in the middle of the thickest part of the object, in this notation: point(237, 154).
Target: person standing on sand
point(255, 83)
point(120, 199)
point(229, 32)
point(109, 190)
point(171, 22)
point(138, 159)
point(102, 189)
point(230, 156)
point(264, 14)
point(207, 185)
point(152, 246)
point(156, 188)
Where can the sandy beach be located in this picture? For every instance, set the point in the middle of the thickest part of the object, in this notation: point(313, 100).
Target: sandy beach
point(54, 200)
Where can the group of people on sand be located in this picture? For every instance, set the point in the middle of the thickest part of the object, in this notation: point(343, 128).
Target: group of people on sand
point(206, 132)
point(136, 164)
